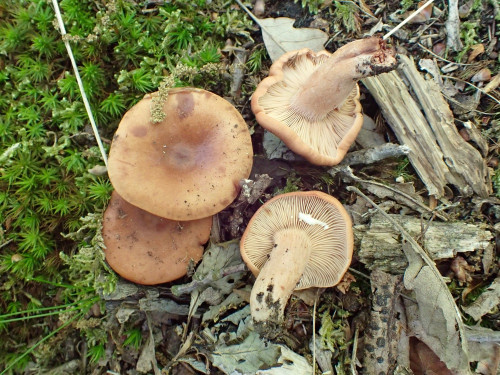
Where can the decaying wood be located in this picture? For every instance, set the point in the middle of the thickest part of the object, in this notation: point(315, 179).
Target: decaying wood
point(375, 154)
point(380, 244)
point(381, 336)
point(425, 124)
point(453, 27)
point(240, 59)
point(440, 318)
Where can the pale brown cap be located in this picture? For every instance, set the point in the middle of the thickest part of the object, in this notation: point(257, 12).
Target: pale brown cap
point(147, 249)
point(321, 217)
point(189, 165)
point(311, 100)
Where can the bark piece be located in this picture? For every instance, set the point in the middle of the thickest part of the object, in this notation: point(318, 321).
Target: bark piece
point(381, 248)
point(374, 154)
point(439, 315)
point(438, 153)
point(453, 26)
point(382, 333)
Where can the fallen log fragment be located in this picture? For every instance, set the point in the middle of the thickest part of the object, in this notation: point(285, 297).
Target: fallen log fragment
point(423, 121)
point(380, 243)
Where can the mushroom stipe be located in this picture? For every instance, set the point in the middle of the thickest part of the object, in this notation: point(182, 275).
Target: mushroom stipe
point(287, 253)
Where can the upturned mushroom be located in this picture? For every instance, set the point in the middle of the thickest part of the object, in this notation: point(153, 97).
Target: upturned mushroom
point(147, 249)
point(311, 100)
point(293, 242)
point(189, 165)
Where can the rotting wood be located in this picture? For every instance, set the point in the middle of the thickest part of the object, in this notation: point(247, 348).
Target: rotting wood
point(375, 154)
point(380, 243)
point(439, 155)
point(382, 333)
point(439, 315)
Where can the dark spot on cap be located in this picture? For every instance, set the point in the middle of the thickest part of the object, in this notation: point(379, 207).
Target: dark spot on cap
point(260, 296)
point(139, 131)
point(237, 187)
point(185, 104)
point(270, 288)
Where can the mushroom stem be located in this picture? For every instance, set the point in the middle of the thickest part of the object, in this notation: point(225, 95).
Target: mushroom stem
point(332, 82)
point(278, 278)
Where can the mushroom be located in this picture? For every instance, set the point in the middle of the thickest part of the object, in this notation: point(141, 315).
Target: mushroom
point(311, 100)
point(294, 241)
point(189, 165)
point(147, 249)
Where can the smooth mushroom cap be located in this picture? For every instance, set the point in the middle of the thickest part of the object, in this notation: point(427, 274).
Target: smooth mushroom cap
point(188, 166)
point(321, 217)
point(311, 100)
point(147, 249)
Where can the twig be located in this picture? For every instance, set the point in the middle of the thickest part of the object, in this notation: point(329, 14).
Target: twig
point(418, 206)
point(354, 352)
point(257, 21)
point(80, 83)
point(441, 58)
point(314, 333)
point(477, 88)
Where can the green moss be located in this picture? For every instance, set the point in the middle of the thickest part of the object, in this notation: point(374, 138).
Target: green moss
point(123, 51)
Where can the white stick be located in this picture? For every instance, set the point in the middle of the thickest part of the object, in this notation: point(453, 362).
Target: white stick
point(80, 83)
point(407, 20)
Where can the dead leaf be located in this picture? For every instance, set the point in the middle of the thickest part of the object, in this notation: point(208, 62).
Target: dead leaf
point(476, 50)
point(424, 15)
point(423, 361)
point(485, 302)
point(493, 84)
point(461, 269)
point(280, 36)
point(346, 282)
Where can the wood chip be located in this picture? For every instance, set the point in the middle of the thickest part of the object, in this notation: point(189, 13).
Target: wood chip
point(438, 153)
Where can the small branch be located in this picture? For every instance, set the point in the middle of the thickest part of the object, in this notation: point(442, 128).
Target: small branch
point(375, 154)
point(453, 26)
point(404, 198)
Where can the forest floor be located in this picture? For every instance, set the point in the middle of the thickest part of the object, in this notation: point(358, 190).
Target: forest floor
point(64, 311)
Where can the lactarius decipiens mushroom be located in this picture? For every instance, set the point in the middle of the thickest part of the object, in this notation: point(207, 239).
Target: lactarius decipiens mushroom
point(147, 249)
point(189, 165)
point(311, 100)
point(294, 241)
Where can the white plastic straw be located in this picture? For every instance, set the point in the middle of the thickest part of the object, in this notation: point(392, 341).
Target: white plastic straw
point(409, 18)
point(80, 83)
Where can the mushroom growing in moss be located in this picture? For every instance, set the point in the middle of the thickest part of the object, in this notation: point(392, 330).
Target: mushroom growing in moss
point(294, 241)
point(311, 100)
point(187, 166)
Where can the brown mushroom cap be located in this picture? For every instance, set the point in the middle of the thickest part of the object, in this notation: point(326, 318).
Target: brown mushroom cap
point(311, 100)
point(188, 166)
point(331, 237)
point(147, 249)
